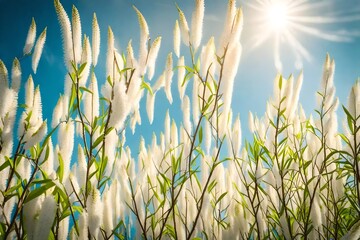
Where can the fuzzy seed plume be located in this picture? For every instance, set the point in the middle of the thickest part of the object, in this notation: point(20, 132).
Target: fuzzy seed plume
point(29, 92)
point(37, 136)
point(30, 38)
point(186, 114)
point(130, 59)
point(91, 100)
point(160, 83)
point(85, 59)
point(36, 107)
point(95, 40)
point(58, 112)
point(82, 167)
point(66, 142)
point(30, 210)
point(231, 64)
point(288, 93)
point(16, 75)
point(153, 53)
point(195, 98)
point(150, 102)
point(4, 81)
point(168, 77)
point(197, 23)
point(121, 107)
point(208, 58)
point(39, 46)
point(177, 38)
point(354, 100)
point(237, 27)
point(225, 37)
point(296, 94)
point(83, 225)
point(65, 26)
point(46, 218)
point(184, 27)
point(108, 211)
point(95, 212)
point(8, 101)
point(181, 75)
point(110, 53)
point(48, 164)
point(236, 136)
point(144, 38)
point(76, 33)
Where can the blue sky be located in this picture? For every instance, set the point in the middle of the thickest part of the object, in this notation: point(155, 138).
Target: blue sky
point(256, 72)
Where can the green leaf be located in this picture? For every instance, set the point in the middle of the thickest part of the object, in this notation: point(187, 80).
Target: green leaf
point(38, 191)
point(86, 90)
point(200, 134)
point(98, 141)
point(81, 68)
point(60, 170)
point(280, 81)
point(5, 165)
point(145, 85)
point(72, 97)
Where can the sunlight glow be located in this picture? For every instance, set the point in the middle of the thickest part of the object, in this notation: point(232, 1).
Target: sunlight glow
point(285, 22)
point(277, 16)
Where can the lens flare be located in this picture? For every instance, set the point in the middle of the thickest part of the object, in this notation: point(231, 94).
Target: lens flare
point(286, 22)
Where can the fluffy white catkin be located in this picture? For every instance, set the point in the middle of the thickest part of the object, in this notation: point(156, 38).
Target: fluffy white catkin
point(208, 58)
point(46, 218)
point(83, 225)
point(37, 136)
point(30, 38)
point(168, 77)
point(4, 82)
point(144, 37)
point(16, 75)
point(197, 23)
point(8, 98)
point(186, 114)
point(30, 210)
point(36, 115)
point(66, 133)
point(110, 53)
point(181, 74)
point(95, 40)
point(153, 53)
point(95, 212)
point(66, 33)
point(236, 136)
point(39, 46)
point(85, 59)
point(195, 99)
point(76, 34)
point(237, 27)
point(58, 112)
point(177, 38)
point(230, 67)
point(150, 102)
point(184, 27)
point(91, 100)
point(225, 37)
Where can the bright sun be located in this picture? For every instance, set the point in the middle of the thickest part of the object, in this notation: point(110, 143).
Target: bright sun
point(285, 21)
point(277, 16)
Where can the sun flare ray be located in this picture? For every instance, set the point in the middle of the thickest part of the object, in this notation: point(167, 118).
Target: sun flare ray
point(286, 21)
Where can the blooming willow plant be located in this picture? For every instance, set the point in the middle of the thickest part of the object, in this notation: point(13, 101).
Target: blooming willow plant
point(298, 178)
